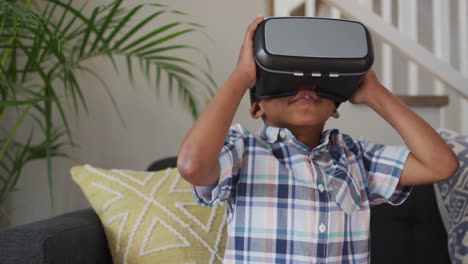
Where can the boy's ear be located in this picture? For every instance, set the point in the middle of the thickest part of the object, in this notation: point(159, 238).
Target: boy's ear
point(335, 114)
point(256, 111)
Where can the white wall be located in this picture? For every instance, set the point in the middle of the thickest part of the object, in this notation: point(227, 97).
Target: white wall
point(155, 127)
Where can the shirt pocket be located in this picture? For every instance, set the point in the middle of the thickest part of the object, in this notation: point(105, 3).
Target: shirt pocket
point(345, 189)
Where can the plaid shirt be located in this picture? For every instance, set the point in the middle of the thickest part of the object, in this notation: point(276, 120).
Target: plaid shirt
point(288, 203)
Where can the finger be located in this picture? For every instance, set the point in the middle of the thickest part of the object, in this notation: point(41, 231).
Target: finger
point(251, 28)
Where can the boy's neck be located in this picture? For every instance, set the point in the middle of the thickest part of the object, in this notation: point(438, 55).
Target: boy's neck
point(308, 135)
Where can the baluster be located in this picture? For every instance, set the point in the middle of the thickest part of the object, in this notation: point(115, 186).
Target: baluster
point(463, 51)
point(387, 61)
point(441, 36)
point(366, 3)
point(463, 33)
point(310, 9)
point(335, 12)
point(282, 8)
point(441, 40)
point(408, 24)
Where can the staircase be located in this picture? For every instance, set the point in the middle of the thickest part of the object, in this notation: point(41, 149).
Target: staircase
point(420, 46)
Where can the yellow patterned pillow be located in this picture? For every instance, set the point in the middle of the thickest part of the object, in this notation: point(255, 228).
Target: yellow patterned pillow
point(151, 217)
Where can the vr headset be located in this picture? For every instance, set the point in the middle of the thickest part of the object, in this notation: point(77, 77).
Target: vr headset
point(290, 52)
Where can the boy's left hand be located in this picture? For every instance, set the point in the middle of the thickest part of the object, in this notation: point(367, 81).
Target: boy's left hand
point(366, 89)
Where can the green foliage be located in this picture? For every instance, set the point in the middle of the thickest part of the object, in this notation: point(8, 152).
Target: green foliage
point(43, 47)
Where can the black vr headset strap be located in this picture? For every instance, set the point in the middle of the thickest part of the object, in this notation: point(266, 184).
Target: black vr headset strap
point(252, 95)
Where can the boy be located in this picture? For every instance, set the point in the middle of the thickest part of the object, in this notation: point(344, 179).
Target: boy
point(297, 194)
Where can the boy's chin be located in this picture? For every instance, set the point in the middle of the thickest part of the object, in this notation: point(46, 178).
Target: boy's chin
point(305, 122)
point(308, 117)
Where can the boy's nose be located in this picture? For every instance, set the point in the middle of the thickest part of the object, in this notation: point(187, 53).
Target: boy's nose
point(308, 86)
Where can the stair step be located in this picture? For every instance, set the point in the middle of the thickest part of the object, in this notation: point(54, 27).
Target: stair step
point(425, 100)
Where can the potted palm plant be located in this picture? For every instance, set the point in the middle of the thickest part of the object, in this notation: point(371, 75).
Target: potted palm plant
point(44, 47)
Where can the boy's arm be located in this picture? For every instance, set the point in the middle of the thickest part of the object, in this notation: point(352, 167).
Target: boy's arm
point(197, 160)
point(430, 159)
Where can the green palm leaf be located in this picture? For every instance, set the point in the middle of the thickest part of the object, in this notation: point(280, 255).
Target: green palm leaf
point(40, 57)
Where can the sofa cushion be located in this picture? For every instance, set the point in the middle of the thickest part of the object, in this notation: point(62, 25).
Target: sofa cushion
point(452, 198)
point(151, 217)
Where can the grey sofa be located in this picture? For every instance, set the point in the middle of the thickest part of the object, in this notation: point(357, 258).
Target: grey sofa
point(76, 237)
point(409, 234)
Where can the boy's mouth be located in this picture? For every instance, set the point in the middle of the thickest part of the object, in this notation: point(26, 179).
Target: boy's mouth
point(306, 94)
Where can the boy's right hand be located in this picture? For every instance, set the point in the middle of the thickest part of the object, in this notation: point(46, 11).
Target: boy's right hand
point(246, 61)
point(197, 160)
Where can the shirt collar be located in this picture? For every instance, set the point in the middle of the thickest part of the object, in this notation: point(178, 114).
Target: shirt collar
point(276, 134)
point(328, 138)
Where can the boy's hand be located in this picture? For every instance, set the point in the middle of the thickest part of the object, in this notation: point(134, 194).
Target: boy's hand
point(246, 61)
point(367, 88)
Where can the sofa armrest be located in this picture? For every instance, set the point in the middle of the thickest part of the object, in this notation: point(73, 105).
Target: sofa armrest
point(76, 237)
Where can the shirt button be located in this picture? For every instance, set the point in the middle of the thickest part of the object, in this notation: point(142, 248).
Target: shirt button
point(282, 134)
point(322, 228)
point(321, 188)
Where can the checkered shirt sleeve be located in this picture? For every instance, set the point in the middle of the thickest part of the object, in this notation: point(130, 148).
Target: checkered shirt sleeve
point(384, 166)
point(230, 164)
